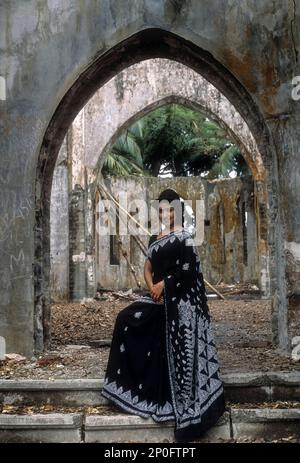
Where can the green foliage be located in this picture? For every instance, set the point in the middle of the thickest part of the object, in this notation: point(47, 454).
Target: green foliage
point(178, 141)
point(125, 157)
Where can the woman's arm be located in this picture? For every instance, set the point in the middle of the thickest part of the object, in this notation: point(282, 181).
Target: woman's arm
point(155, 289)
point(148, 274)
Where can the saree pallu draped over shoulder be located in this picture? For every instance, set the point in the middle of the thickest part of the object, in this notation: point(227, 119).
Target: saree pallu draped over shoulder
point(163, 361)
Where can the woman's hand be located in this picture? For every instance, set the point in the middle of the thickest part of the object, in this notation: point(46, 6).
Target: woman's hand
point(156, 290)
point(161, 299)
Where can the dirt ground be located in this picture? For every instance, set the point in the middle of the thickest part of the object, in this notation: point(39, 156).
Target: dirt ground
point(81, 333)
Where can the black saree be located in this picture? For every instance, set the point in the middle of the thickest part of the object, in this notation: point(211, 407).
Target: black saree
point(163, 361)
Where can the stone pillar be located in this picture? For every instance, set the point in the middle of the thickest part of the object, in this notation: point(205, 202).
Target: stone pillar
point(89, 237)
point(77, 244)
point(59, 228)
point(252, 271)
point(263, 231)
point(81, 262)
point(286, 135)
point(290, 181)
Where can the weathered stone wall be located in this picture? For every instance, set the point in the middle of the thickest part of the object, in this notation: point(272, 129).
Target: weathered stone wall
point(231, 250)
point(54, 55)
point(113, 275)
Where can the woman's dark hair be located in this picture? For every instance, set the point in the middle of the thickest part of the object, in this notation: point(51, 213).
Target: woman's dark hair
point(171, 195)
point(168, 195)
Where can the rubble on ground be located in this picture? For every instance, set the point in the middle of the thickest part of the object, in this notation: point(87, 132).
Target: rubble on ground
point(82, 331)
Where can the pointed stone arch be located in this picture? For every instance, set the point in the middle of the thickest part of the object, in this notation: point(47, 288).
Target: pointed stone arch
point(145, 44)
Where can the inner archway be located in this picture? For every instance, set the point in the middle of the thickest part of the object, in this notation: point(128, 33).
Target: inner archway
point(244, 142)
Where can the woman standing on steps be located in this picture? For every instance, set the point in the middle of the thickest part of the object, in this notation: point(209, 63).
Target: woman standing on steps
point(163, 361)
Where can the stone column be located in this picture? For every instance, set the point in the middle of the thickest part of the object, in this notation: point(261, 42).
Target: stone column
point(286, 134)
point(59, 228)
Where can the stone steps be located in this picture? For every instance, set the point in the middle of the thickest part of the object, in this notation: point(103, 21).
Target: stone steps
point(78, 425)
point(268, 424)
point(239, 387)
point(54, 427)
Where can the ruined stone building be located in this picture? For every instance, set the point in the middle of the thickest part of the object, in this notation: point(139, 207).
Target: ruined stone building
point(74, 75)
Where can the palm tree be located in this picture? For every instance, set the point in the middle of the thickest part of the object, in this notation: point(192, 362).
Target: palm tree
point(178, 141)
point(125, 157)
point(230, 160)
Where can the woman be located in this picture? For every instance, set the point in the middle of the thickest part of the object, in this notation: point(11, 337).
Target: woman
point(163, 361)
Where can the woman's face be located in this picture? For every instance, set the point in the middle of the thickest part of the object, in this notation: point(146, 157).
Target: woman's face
point(166, 214)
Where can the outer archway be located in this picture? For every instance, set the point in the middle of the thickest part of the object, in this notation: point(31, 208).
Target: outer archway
point(151, 43)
